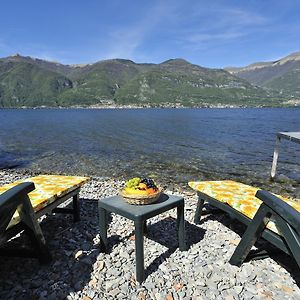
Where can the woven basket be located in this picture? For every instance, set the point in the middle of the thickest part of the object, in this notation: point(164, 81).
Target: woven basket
point(140, 199)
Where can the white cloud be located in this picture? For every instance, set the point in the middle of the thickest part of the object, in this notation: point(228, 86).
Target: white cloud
point(166, 28)
point(206, 37)
point(217, 25)
point(239, 17)
point(124, 42)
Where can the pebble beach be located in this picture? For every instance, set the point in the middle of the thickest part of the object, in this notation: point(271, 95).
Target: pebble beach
point(79, 270)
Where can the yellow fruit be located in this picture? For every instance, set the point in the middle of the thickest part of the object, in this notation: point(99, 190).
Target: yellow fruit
point(129, 190)
point(134, 191)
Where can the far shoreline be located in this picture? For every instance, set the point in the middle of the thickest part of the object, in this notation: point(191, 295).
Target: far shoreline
point(96, 107)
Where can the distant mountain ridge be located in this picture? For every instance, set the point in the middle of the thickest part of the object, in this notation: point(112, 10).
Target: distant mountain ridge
point(33, 82)
point(282, 75)
point(291, 57)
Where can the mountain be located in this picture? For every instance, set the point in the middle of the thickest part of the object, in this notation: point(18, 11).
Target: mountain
point(178, 81)
point(99, 82)
point(32, 82)
point(26, 82)
point(282, 75)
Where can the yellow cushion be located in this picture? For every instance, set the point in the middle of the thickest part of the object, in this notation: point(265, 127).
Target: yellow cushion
point(238, 195)
point(47, 189)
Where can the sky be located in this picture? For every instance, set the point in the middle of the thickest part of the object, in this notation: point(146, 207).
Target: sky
point(214, 33)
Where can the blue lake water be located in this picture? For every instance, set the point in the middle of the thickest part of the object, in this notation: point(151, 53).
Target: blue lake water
point(173, 144)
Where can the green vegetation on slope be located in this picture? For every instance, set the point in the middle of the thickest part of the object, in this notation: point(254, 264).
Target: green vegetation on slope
point(177, 81)
point(99, 81)
point(32, 82)
point(288, 83)
point(26, 84)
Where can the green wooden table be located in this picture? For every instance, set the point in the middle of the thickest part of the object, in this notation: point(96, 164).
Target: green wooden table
point(139, 214)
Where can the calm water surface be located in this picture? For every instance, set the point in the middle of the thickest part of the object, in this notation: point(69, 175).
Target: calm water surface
point(175, 144)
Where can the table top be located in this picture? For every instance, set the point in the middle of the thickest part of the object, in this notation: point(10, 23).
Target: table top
point(117, 205)
point(292, 136)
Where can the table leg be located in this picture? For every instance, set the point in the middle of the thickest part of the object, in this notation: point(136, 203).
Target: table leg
point(145, 230)
point(180, 228)
point(76, 208)
point(139, 250)
point(103, 228)
point(275, 158)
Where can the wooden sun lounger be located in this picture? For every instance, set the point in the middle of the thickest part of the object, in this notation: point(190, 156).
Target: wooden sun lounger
point(24, 201)
point(274, 218)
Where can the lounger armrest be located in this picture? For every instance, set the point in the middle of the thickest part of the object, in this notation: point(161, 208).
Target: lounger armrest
point(16, 193)
point(283, 209)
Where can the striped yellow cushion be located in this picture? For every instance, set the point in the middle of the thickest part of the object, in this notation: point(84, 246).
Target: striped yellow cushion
point(47, 189)
point(238, 195)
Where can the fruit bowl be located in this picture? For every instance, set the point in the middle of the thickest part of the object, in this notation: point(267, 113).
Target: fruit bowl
point(140, 199)
point(140, 191)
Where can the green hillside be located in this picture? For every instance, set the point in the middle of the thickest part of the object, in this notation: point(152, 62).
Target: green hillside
point(177, 81)
point(25, 81)
point(99, 81)
point(288, 83)
point(44, 64)
point(26, 84)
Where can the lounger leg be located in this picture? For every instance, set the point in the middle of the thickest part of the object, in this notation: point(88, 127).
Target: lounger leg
point(139, 250)
point(198, 212)
point(76, 208)
point(39, 242)
point(103, 228)
point(250, 236)
point(34, 231)
point(181, 228)
point(291, 238)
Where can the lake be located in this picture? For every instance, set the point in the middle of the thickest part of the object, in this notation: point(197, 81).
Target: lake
point(172, 144)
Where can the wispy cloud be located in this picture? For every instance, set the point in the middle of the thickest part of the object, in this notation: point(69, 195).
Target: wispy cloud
point(152, 31)
point(206, 37)
point(124, 42)
point(217, 25)
point(239, 17)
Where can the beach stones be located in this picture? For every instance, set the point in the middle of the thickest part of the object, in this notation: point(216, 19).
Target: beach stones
point(80, 271)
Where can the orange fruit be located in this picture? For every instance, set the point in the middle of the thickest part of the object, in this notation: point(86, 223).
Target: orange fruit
point(142, 186)
point(151, 191)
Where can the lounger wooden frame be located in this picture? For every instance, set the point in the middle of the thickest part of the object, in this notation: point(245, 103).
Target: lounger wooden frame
point(16, 199)
point(287, 220)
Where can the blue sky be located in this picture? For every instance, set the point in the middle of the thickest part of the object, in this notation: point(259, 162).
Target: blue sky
point(211, 33)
